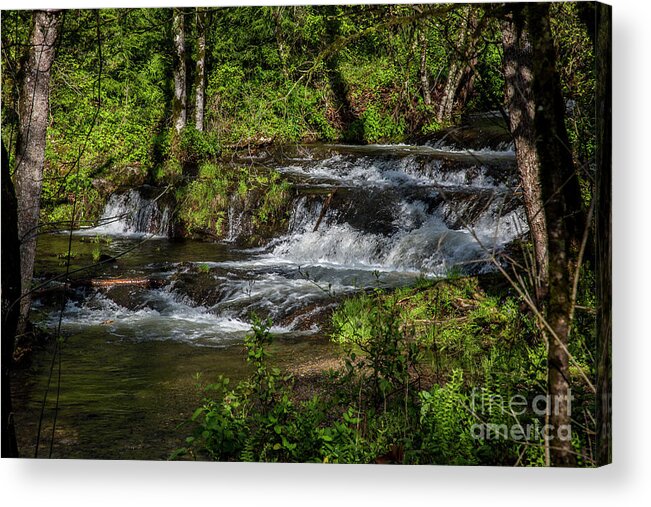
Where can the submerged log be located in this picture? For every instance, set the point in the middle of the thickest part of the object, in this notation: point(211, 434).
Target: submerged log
point(104, 283)
point(111, 282)
point(324, 209)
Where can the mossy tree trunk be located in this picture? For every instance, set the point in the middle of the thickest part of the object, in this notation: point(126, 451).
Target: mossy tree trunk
point(33, 111)
point(179, 103)
point(461, 74)
point(200, 74)
point(422, 70)
point(565, 224)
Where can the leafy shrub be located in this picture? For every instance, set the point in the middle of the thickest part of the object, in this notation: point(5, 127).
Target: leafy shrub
point(195, 146)
point(446, 419)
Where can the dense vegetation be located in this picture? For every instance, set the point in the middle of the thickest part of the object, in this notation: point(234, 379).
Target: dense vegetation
point(273, 75)
point(432, 374)
point(429, 371)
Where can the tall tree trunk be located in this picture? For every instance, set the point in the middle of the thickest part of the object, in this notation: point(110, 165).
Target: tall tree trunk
point(461, 75)
point(179, 104)
point(521, 110)
point(422, 71)
point(200, 77)
point(603, 53)
point(33, 109)
point(276, 13)
point(560, 191)
point(10, 296)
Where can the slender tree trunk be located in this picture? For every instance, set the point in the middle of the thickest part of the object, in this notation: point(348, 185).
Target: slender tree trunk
point(422, 71)
point(33, 109)
point(521, 109)
point(447, 101)
point(200, 78)
point(604, 232)
point(10, 308)
point(276, 13)
point(560, 191)
point(460, 80)
point(179, 104)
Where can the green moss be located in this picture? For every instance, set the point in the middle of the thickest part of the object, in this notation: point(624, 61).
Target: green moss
point(203, 203)
point(168, 173)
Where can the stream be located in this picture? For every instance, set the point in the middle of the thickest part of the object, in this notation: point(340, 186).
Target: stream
point(362, 217)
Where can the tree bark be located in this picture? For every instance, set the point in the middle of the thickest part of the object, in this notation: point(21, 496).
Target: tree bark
point(200, 78)
point(10, 307)
point(560, 191)
point(422, 71)
point(33, 109)
point(520, 106)
point(603, 54)
point(461, 75)
point(179, 104)
point(276, 13)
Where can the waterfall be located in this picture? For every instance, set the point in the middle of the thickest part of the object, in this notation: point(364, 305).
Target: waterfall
point(235, 218)
point(363, 217)
point(403, 212)
point(132, 214)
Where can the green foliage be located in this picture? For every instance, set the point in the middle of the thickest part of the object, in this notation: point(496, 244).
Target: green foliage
point(373, 126)
point(388, 350)
point(274, 201)
point(309, 73)
point(203, 203)
point(97, 248)
point(576, 66)
point(194, 146)
point(447, 419)
point(368, 414)
point(256, 420)
point(454, 318)
point(169, 173)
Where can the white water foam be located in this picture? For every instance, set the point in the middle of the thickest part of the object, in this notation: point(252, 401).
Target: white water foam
point(163, 315)
point(390, 172)
point(131, 215)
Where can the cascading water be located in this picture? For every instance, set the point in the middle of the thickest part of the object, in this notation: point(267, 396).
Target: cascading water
point(235, 218)
point(364, 217)
point(131, 214)
point(403, 213)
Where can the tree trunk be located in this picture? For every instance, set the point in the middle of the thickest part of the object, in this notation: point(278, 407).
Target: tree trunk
point(461, 75)
point(33, 109)
point(200, 79)
point(560, 192)
point(422, 71)
point(179, 104)
point(603, 54)
point(276, 13)
point(10, 307)
point(521, 109)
